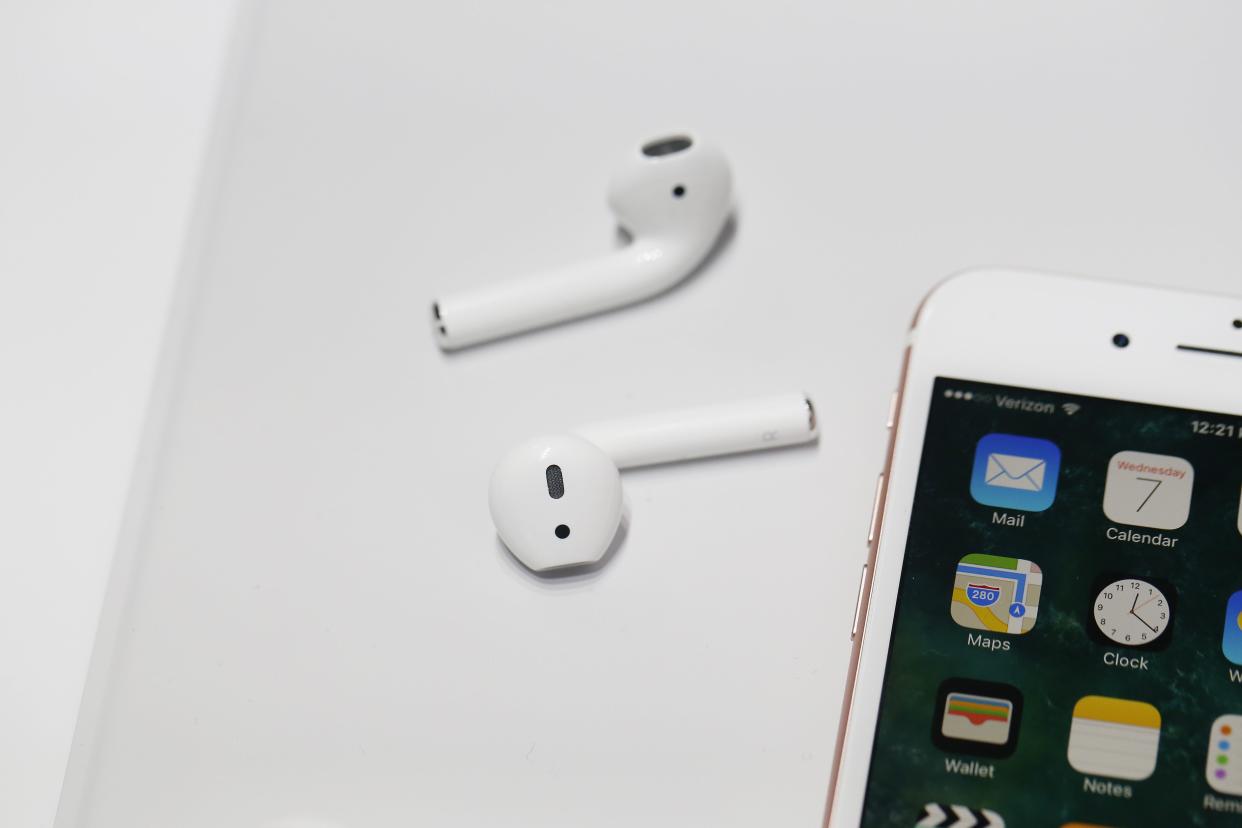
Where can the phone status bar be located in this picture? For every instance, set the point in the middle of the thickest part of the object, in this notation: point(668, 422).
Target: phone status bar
point(1013, 402)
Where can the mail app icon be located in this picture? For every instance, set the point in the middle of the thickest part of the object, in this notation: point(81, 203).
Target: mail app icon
point(1013, 472)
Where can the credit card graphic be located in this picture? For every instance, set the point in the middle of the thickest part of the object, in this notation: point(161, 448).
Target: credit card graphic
point(979, 717)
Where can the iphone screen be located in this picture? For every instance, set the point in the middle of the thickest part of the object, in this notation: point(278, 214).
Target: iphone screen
point(1067, 646)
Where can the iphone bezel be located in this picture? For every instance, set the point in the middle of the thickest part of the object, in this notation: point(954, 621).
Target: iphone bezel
point(1040, 331)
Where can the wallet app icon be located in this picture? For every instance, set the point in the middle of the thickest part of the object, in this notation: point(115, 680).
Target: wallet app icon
point(979, 717)
point(1013, 472)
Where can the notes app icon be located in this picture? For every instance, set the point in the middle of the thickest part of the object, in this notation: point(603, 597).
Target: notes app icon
point(979, 717)
point(1111, 737)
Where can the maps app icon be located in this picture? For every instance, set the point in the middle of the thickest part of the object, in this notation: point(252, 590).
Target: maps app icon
point(996, 594)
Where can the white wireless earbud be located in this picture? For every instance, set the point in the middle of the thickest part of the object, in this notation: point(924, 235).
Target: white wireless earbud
point(672, 196)
point(556, 501)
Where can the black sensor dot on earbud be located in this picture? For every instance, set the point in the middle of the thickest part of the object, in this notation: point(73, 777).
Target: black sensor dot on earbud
point(679, 191)
point(562, 531)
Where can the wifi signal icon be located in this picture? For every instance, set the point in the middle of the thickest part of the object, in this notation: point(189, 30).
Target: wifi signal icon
point(1071, 408)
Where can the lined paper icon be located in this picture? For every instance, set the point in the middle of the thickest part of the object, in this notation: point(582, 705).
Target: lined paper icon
point(1114, 737)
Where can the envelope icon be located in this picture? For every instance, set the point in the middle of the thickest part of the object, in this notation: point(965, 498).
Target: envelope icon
point(1013, 472)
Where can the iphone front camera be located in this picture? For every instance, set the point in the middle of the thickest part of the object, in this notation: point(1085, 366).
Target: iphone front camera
point(1121, 340)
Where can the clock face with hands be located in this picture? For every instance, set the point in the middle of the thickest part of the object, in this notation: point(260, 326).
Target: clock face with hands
point(1133, 612)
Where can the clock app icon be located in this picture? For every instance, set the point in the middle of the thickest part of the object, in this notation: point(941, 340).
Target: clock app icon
point(1128, 611)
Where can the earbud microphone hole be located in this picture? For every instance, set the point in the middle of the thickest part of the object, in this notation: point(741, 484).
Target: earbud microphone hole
point(562, 531)
point(679, 191)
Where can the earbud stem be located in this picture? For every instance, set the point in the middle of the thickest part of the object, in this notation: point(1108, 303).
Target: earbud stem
point(709, 431)
point(637, 271)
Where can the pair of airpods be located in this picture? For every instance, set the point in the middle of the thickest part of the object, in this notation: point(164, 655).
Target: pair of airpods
point(556, 500)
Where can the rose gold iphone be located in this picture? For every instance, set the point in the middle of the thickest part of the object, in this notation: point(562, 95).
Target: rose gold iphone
point(1049, 628)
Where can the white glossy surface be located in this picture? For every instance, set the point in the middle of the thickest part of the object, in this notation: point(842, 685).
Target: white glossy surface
point(323, 623)
point(546, 529)
point(556, 500)
point(732, 427)
point(673, 208)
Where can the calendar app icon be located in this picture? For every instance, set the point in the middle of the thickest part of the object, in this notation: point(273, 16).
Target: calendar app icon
point(1151, 490)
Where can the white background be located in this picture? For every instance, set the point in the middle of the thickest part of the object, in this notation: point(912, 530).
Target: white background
point(104, 109)
point(384, 153)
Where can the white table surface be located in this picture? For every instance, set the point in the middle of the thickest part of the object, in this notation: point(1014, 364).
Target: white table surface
point(104, 109)
point(320, 537)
